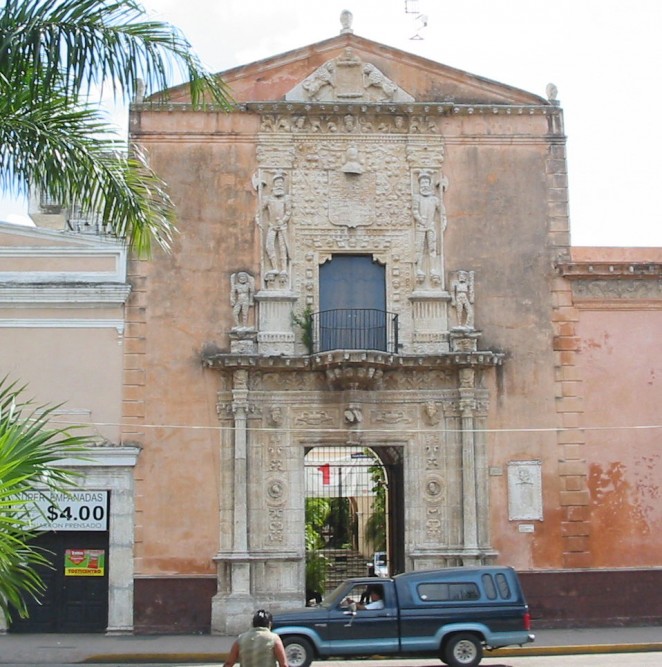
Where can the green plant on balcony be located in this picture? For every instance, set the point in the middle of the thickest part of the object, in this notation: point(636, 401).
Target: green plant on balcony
point(305, 322)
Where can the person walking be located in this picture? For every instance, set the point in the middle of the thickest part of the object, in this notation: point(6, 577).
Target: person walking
point(258, 647)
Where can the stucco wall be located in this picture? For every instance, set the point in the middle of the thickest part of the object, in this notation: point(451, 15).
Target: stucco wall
point(621, 364)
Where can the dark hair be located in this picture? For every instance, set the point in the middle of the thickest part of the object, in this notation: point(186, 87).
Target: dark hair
point(376, 589)
point(262, 619)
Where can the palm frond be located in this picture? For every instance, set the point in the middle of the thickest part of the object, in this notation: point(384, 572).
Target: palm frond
point(72, 154)
point(85, 42)
point(30, 454)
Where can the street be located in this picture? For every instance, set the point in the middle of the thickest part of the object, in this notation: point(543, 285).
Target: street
point(643, 659)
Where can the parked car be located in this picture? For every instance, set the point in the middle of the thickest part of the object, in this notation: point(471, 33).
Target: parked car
point(454, 614)
point(379, 564)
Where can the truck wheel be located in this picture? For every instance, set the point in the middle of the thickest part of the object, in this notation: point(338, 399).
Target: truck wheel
point(299, 651)
point(463, 650)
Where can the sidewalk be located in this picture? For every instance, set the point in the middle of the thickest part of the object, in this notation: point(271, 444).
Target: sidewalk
point(56, 649)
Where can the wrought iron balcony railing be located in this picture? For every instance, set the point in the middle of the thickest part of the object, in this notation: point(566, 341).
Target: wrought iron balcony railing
point(355, 329)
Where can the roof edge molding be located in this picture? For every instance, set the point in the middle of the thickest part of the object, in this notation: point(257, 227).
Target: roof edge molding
point(348, 78)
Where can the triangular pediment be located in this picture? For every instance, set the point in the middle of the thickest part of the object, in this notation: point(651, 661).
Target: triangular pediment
point(294, 76)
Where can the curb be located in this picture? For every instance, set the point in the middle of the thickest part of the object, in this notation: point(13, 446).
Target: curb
point(172, 658)
point(168, 658)
point(647, 647)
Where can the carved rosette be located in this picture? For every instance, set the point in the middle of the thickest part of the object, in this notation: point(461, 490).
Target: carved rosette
point(434, 496)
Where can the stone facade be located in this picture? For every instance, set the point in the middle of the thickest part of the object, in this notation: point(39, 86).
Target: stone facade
point(347, 149)
point(515, 408)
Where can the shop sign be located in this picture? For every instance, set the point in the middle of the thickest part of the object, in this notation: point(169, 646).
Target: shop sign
point(75, 510)
point(84, 562)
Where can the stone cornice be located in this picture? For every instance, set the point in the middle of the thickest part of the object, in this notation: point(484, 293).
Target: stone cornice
point(614, 284)
point(610, 270)
point(354, 359)
point(54, 293)
point(406, 108)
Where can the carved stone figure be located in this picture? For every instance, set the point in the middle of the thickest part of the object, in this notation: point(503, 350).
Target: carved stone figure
point(278, 208)
point(349, 123)
point(427, 207)
point(242, 291)
point(431, 413)
point(462, 298)
point(321, 78)
point(276, 415)
point(352, 163)
point(373, 77)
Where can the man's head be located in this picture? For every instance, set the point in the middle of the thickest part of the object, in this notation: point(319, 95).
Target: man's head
point(375, 592)
point(262, 619)
point(425, 183)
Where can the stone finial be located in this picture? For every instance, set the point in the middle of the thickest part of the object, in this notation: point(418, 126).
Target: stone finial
point(140, 92)
point(346, 18)
point(552, 92)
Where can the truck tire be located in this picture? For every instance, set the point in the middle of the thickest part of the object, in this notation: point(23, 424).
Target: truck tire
point(299, 651)
point(463, 650)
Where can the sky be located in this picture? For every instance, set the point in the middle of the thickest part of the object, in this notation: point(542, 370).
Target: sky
point(604, 56)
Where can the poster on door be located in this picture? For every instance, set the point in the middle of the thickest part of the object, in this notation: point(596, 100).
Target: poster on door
point(84, 562)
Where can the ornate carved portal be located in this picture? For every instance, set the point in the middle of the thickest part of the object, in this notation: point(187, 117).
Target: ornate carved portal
point(349, 166)
point(429, 412)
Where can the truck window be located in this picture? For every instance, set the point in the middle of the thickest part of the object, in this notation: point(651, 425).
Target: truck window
point(488, 585)
point(502, 584)
point(447, 592)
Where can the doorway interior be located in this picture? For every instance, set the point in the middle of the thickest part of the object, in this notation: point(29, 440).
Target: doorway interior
point(354, 514)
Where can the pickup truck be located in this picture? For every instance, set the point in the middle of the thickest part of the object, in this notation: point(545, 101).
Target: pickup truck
point(453, 614)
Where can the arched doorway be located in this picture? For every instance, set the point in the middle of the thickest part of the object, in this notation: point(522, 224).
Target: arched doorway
point(353, 514)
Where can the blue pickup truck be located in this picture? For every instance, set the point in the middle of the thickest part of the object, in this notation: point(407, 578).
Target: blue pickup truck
point(453, 614)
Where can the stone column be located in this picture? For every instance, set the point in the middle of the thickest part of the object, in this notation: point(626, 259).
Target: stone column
point(232, 606)
point(469, 488)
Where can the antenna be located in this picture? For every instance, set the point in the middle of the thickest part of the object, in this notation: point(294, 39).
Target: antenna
point(421, 20)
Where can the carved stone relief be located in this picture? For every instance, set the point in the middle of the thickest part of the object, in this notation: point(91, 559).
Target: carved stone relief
point(347, 78)
point(341, 188)
point(276, 487)
point(525, 491)
point(617, 289)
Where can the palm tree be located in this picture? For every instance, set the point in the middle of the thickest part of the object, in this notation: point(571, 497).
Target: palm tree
point(29, 453)
point(54, 137)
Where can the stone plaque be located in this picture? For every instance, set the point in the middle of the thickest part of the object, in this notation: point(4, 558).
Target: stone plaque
point(525, 491)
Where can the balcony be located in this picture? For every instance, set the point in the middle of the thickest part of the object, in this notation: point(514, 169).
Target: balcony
point(355, 329)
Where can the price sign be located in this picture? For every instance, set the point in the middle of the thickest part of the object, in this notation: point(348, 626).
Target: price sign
point(77, 510)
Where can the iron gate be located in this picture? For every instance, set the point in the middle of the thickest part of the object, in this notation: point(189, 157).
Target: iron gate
point(346, 514)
